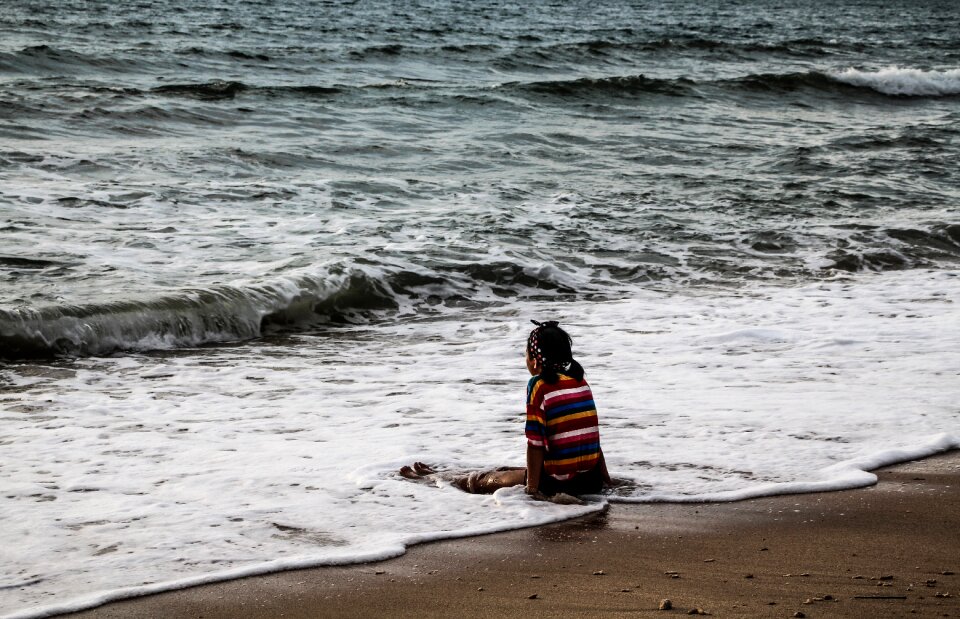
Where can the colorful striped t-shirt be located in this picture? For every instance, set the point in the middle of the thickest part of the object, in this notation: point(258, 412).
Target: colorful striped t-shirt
point(562, 418)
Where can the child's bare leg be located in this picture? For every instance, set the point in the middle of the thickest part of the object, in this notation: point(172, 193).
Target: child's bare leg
point(476, 482)
point(494, 480)
point(490, 481)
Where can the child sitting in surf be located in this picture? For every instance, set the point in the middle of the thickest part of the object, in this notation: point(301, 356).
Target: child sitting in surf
point(563, 436)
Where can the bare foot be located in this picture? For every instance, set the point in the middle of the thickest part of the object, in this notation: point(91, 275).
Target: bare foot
point(423, 469)
point(409, 473)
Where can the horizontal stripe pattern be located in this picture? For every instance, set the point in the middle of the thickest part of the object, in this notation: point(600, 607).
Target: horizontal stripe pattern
point(562, 418)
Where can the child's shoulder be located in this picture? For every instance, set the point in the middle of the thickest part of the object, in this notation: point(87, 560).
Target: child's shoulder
point(568, 382)
point(532, 384)
point(538, 383)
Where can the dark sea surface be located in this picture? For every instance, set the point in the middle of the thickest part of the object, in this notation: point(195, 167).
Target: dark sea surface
point(255, 256)
point(211, 171)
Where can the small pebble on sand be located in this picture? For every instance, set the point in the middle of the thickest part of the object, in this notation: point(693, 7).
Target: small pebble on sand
point(665, 604)
point(532, 597)
point(799, 614)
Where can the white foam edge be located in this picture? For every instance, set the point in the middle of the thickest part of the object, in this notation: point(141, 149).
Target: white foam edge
point(846, 475)
point(551, 514)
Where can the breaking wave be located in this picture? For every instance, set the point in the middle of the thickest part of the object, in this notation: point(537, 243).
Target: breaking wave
point(903, 82)
point(217, 314)
point(186, 318)
point(849, 83)
point(891, 82)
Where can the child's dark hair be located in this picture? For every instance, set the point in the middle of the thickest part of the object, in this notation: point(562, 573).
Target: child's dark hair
point(550, 346)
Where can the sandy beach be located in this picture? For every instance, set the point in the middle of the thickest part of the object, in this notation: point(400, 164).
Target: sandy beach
point(890, 550)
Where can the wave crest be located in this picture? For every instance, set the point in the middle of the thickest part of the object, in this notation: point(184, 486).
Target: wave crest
point(192, 317)
point(629, 85)
point(188, 317)
point(903, 82)
point(217, 89)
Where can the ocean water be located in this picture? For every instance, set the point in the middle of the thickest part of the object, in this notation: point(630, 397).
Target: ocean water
point(254, 256)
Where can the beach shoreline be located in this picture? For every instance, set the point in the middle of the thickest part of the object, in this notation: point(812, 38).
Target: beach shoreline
point(888, 550)
point(258, 256)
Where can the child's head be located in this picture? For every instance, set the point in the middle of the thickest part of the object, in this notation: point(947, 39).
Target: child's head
point(549, 352)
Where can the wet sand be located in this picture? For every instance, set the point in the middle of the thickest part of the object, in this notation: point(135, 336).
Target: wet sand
point(890, 550)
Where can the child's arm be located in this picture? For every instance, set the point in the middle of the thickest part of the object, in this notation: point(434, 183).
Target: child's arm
point(534, 466)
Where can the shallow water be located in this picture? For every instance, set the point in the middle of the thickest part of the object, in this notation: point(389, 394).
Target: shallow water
point(255, 257)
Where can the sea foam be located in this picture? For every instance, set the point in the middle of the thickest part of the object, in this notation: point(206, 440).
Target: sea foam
point(141, 473)
point(902, 81)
